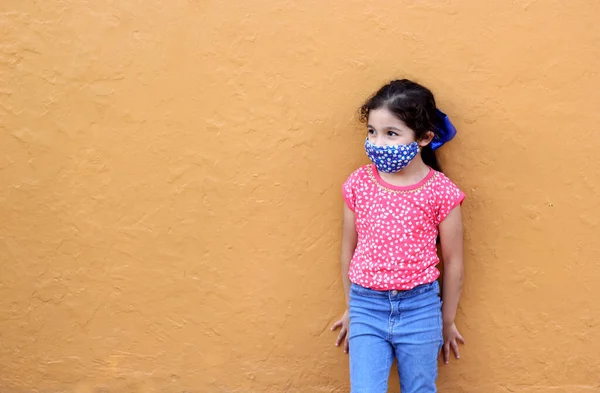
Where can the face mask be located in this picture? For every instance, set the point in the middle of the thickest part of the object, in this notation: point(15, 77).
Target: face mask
point(391, 159)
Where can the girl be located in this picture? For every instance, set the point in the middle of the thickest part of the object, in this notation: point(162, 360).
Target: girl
point(395, 210)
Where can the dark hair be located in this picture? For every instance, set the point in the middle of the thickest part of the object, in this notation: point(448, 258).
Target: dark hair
point(414, 105)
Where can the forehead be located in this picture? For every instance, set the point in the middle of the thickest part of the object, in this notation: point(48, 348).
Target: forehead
point(383, 118)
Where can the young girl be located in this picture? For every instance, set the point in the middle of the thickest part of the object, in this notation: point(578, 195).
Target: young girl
point(395, 210)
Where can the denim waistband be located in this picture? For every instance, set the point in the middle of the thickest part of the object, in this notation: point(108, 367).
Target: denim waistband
point(398, 294)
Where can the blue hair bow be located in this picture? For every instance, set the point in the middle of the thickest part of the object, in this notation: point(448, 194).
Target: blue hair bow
point(445, 131)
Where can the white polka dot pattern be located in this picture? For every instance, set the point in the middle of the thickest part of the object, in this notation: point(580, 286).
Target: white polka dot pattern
point(391, 158)
point(397, 228)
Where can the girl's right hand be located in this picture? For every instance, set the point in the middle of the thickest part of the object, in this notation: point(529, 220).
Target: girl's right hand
point(344, 324)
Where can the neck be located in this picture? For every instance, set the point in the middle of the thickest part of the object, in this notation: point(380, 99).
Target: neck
point(412, 174)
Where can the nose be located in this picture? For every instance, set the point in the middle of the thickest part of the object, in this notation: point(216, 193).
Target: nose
point(379, 141)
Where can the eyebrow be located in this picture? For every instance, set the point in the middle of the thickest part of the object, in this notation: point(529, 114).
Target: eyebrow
point(388, 128)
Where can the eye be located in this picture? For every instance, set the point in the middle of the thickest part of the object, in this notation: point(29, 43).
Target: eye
point(392, 133)
point(371, 131)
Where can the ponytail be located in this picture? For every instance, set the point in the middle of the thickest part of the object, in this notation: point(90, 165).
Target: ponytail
point(429, 158)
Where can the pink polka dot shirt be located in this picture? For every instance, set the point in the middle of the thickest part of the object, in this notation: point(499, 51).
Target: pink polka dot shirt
point(397, 228)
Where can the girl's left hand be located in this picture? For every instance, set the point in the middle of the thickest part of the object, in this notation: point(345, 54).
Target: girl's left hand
point(451, 339)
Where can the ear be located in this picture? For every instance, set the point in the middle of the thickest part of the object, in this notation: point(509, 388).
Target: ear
point(427, 138)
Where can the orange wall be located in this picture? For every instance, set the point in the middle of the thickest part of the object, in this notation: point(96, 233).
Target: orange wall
point(171, 171)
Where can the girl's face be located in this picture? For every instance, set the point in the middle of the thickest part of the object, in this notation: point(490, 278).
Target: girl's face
point(383, 129)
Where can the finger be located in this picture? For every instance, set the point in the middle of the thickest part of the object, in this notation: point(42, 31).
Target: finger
point(346, 345)
point(454, 346)
point(446, 352)
point(336, 325)
point(460, 339)
point(340, 337)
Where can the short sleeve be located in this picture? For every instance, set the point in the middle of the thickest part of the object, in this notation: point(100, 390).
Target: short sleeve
point(449, 196)
point(349, 190)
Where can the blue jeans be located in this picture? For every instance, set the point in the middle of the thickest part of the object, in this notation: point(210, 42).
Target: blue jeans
point(406, 325)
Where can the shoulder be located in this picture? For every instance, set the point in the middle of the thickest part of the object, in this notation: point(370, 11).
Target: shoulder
point(359, 175)
point(447, 196)
point(442, 183)
point(355, 185)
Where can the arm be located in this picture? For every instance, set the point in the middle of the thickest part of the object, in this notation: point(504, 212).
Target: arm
point(349, 239)
point(451, 236)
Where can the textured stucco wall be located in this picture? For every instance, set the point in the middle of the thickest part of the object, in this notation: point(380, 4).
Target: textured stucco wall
point(170, 188)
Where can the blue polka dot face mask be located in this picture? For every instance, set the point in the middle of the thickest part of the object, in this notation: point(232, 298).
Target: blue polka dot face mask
point(393, 158)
